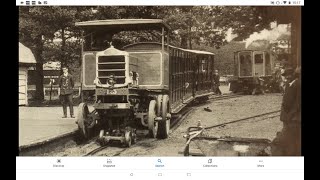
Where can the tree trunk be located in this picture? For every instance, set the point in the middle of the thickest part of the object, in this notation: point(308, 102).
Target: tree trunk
point(39, 70)
point(184, 41)
point(63, 47)
point(189, 37)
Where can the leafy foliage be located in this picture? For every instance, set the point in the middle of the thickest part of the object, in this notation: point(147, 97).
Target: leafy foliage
point(191, 26)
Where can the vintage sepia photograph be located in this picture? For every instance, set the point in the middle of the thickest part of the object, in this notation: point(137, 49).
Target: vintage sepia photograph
point(154, 81)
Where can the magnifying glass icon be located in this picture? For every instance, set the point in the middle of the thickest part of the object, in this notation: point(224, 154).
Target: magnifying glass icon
point(159, 161)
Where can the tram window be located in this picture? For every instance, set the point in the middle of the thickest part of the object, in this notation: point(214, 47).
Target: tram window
point(241, 59)
point(248, 58)
point(258, 59)
point(203, 65)
point(268, 64)
point(267, 59)
point(96, 41)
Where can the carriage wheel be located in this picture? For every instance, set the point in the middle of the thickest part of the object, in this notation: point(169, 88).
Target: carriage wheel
point(84, 121)
point(82, 117)
point(164, 125)
point(100, 139)
point(152, 124)
point(128, 138)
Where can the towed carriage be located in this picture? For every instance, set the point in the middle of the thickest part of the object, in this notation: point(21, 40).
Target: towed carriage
point(252, 68)
point(140, 85)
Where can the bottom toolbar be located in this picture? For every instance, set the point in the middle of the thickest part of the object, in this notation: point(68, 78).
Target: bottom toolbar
point(39, 168)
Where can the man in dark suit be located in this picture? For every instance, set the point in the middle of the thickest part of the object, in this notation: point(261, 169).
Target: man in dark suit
point(216, 81)
point(288, 141)
point(66, 84)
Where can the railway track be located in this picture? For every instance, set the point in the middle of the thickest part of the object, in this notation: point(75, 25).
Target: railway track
point(174, 125)
point(223, 97)
point(246, 119)
point(177, 120)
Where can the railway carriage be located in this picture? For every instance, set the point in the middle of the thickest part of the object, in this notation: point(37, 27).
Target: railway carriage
point(139, 85)
point(250, 65)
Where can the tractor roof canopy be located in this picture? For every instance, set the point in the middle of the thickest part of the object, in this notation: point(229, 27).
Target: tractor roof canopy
point(117, 25)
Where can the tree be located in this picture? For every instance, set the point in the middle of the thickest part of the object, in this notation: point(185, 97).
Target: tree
point(245, 20)
point(34, 25)
point(38, 26)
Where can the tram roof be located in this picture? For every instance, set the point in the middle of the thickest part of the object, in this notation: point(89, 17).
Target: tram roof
point(124, 24)
point(199, 52)
point(159, 44)
point(251, 50)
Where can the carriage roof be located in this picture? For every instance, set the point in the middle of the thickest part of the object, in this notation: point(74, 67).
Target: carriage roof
point(124, 24)
point(199, 52)
point(249, 50)
point(159, 44)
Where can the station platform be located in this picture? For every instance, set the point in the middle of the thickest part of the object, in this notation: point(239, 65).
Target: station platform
point(40, 124)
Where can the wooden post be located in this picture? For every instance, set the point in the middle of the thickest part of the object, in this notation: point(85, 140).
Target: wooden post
point(168, 42)
point(51, 82)
point(162, 35)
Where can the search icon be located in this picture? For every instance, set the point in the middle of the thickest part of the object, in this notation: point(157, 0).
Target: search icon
point(159, 161)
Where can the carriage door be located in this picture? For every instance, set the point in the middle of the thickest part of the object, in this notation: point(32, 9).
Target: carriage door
point(258, 64)
point(245, 65)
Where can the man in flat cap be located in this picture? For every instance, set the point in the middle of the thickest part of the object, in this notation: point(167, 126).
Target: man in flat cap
point(288, 141)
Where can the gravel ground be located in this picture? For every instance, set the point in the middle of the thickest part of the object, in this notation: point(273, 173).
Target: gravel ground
point(223, 111)
point(237, 108)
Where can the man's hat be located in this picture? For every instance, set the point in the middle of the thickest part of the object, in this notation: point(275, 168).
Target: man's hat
point(287, 71)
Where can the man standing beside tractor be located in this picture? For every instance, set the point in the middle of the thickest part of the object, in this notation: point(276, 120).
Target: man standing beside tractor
point(66, 85)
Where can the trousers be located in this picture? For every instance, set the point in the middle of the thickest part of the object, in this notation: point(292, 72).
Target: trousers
point(66, 100)
point(217, 90)
point(288, 141)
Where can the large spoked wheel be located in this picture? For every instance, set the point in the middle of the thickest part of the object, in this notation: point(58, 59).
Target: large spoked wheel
point(152, 124)
point(128, 138)
point(84, 121)
point(164, 125)
point(100, 139)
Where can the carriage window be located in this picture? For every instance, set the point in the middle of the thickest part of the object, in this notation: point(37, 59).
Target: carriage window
point(258, 58)
point(267, 59)
point(204, 65)
point(96, 41)
point(148, 67)
point(268, 64)
point(241, 59)
point(245, 66)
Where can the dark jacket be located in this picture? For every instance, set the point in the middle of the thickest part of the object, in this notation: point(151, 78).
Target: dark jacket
point(291, 103)
point(216, 79)
point(66, 84)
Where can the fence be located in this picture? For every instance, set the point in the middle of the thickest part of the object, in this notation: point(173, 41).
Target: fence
point(52, 92)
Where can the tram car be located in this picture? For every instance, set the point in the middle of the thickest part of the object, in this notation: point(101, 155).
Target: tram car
point(139, 85)
point(252, 68)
